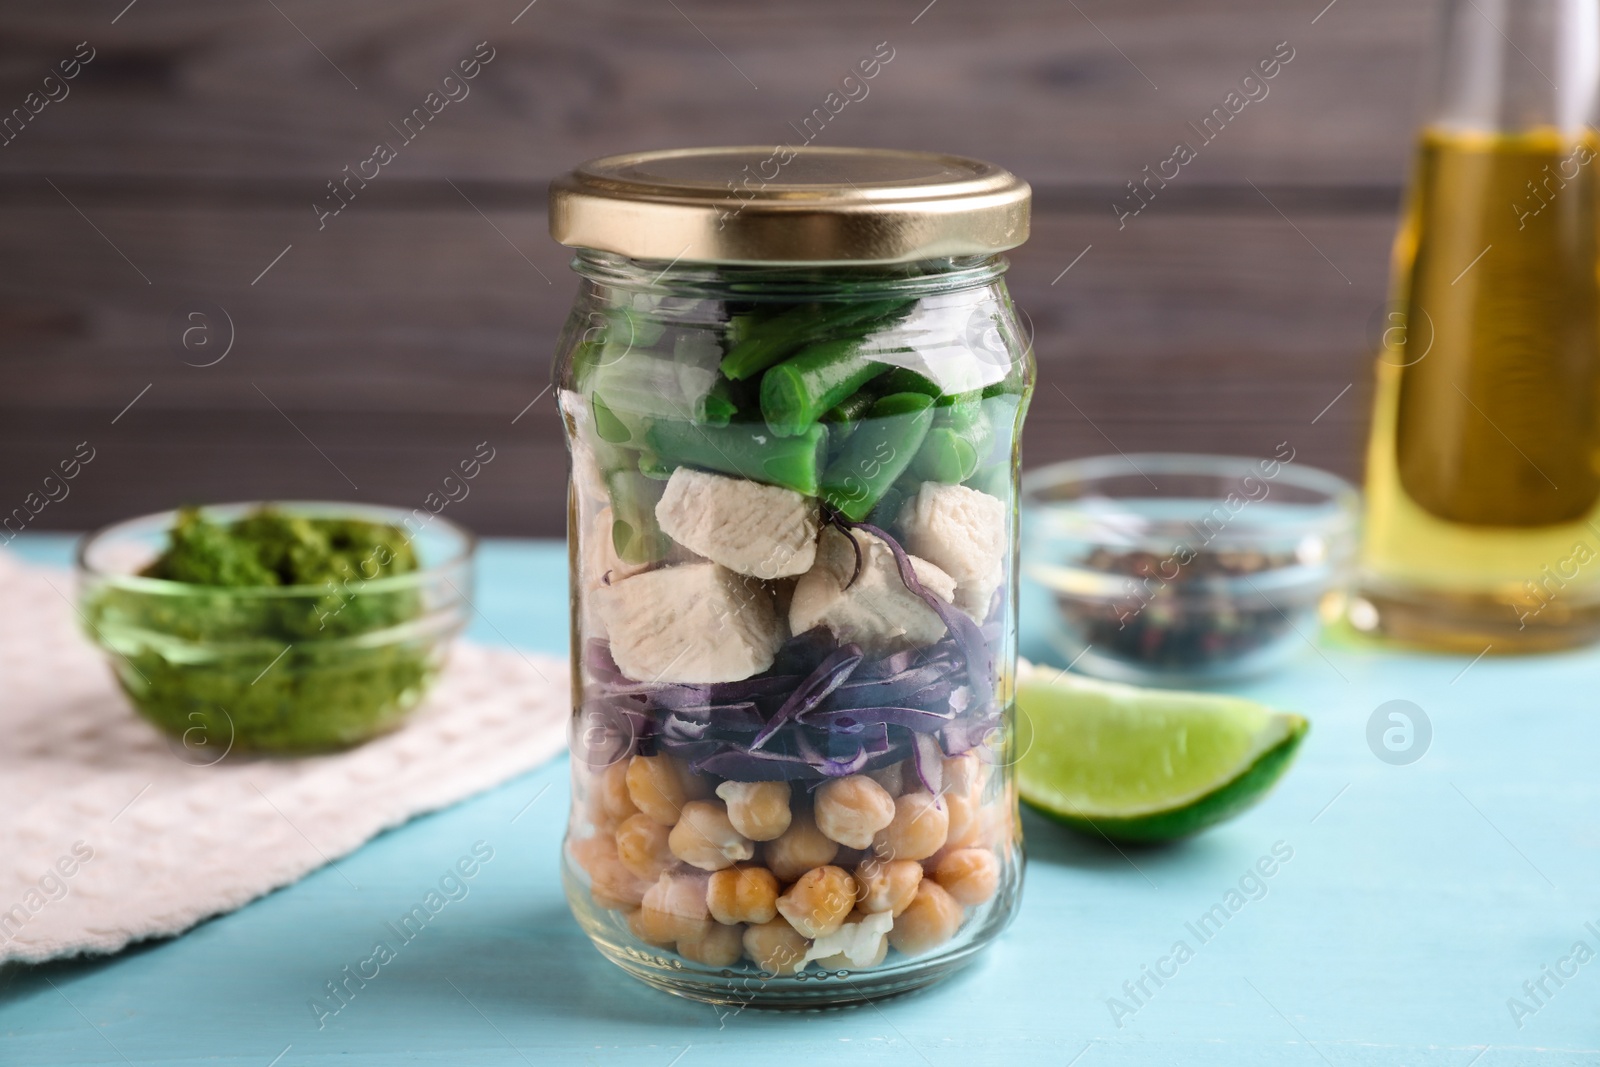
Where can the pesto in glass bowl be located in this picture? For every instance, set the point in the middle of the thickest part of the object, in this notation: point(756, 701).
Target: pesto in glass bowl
point(287, 628)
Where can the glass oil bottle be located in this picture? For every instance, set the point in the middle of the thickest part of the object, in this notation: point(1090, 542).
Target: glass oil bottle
point(1483, 467)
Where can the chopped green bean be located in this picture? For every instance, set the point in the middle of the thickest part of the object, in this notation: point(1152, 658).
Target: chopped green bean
point(795, 393)
point(945, 456)
point(646, 386)
point(963, 413)
point(958, 442)
point(654, 467)
point(745, 449)
point(633, 328)
point(606, 425)
point(877, 454)
point(993, 478)
point(886, 512)
point(763, 342)
point(903, 380)
point(845, 416)
point(1010, 385)
point(717, 407)
point(634, 532)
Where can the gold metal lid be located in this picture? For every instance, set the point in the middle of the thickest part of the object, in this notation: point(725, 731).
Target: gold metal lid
point(790, 205)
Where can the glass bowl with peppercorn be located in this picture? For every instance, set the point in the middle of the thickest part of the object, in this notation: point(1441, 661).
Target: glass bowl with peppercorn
point(286, 628)
point(1183, 569)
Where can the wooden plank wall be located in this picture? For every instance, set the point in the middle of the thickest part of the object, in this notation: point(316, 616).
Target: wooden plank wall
point(379, 349)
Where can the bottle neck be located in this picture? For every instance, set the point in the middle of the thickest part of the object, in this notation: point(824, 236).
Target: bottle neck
point(1513, 65)
point(725, 281)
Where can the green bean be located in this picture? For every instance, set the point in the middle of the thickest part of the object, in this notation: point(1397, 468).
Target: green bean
point(964, 413)
point(633, 329)
point(763, 342)
point(634, 532)
point(606, 424)
point(877, 454)
point(585, 357)
point(945, 456)
point(1001, 424)
point(648, 385)
point(886, 512)
point(745, 449)
point(717, 407)
point(993, 478)
point(757, 343)
point(903, 380)
point(654, 467)
point(795, 393)
point(906, 380)
point(845, 416)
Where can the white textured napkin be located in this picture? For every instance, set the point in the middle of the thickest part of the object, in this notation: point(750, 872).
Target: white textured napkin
point(110, 834)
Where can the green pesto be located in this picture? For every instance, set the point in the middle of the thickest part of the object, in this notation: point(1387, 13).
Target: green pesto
point(218, 662)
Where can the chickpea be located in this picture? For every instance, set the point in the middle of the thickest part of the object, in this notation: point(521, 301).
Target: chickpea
point(743, 895)
point(642, 846)
point(887, 885)
point(613, 788)
point(611, 885)
point(646, 931)
point(851, 810)
point(705, 838)
point(969, 875)
point(966, 828)
point(719, 947)
point(585, 851)
point(850, 858)
point(775, 947)
point(587, 800)
point(660, 786)
point(932, 919)
point(798, 849)
point(614, 886)
point(921, 824)
point(998, 825)
point(758, 810)
point(673, 909)
point(818, 904)
point(892, 778)
point(964, 775)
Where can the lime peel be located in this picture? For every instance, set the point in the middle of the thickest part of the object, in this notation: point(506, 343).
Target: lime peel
point(1133, 764)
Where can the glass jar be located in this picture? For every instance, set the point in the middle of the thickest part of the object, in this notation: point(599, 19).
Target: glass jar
point(793, 415)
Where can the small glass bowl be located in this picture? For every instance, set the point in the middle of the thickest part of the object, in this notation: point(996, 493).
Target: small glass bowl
point(285, 669)
point(1179, 569)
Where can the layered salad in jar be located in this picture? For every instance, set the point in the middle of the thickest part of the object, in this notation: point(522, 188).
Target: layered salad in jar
point(792, 534)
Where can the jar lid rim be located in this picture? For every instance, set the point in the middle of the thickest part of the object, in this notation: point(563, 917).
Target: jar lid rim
point(813, 205)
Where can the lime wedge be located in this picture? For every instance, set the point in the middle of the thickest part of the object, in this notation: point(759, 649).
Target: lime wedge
point(1134, 764)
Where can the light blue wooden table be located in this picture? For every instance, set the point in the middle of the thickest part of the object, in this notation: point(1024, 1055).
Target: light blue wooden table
point(1418, 900)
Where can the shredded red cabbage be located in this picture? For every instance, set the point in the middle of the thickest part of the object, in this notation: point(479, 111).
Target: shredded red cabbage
point(822, 711)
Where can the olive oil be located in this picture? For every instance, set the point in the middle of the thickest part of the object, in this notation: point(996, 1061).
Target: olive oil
point(1483, 470)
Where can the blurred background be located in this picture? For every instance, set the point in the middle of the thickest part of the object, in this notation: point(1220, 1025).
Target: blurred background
point(173, 293)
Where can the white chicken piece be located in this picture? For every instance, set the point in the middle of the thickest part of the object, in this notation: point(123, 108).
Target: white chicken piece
point(761, 530)
point(963, 532)
point(877, 611)
point(696, 623)
point(601, 567)
point(860, 943)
